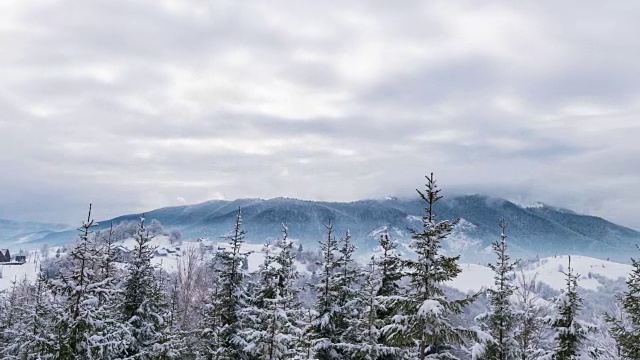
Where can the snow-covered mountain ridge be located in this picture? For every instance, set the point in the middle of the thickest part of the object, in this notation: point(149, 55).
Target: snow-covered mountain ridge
point(533, 230)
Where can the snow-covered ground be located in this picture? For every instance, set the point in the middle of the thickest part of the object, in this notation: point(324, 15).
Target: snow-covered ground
point(548, 271)
point(473, 277)
point(169, 261)
point(28, 270)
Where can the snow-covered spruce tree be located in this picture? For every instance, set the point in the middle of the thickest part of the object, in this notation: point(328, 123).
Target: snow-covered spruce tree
point(275, 310)
point(571, 333)
point(87, 325)
point(422, 323)
point(499, 320)
point(223, 326)
point(389, 267)
point(107, 267)
point(14, 309)
point(173, 341)
point(367, 328)
point(11, 303)
point(531, 331)
point(209, 345)
point(32, 334)
point(349, 279)
point(326, 325)
point(626, 330)
point(143, 307)
point(305, 341)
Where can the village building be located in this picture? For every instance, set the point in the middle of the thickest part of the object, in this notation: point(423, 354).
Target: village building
point(5, 256)
point(161, 252)
point(122, 254)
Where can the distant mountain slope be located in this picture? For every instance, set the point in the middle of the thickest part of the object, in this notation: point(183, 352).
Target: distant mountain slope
point(14, 229)
point(540, 230)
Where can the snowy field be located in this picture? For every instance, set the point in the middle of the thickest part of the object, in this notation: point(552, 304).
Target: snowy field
point(28, 270)
point(546, 270)
point(473, 278)
point(169, 262)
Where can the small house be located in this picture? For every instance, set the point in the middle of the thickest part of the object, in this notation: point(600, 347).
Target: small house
point(123, 254)
point(21, 258)
point(161, 252)
point(5, 256)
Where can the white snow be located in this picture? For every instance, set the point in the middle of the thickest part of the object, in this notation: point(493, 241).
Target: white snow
point(430, 307)
point(28, 270)
point(472, 278)
point(547, 270)
point(379, 231)
point(414, 218)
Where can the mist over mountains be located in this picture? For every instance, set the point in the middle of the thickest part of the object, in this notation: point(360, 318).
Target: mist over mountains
point(17, 231)
point(533, 230)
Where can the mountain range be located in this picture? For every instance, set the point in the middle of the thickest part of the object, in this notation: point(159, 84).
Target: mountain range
point(23, 231)
point(540, 230)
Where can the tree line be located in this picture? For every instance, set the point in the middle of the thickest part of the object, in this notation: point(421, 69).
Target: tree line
point(393, 308)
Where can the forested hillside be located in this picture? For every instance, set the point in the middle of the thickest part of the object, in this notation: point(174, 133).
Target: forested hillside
point(90, 302)
point(535, 231)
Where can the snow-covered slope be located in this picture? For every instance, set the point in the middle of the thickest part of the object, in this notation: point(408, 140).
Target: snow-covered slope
point(473, 278)
point(533, 230)
point(547, 271)
point(28, 270)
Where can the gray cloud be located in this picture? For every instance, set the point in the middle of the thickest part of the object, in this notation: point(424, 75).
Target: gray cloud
point(137, 105)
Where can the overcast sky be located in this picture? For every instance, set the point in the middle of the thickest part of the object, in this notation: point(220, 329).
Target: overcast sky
point(135, 105)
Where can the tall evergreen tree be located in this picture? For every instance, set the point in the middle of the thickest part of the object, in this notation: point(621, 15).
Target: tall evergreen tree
point(32, 335)
point(276, 310)
point(626, 331)
point(326, 325)
point(85, 321)
point(389, 265)
point(10, 311)
point(570, 332)
point(349, 278)
point(210, 341)
point(108, 269)
point(368, 326)
point(424, 313)
point(499, 321)
point(144, 304)
point(225, 311)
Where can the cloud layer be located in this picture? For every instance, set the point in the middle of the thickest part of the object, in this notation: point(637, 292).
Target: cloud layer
point(134, 105)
